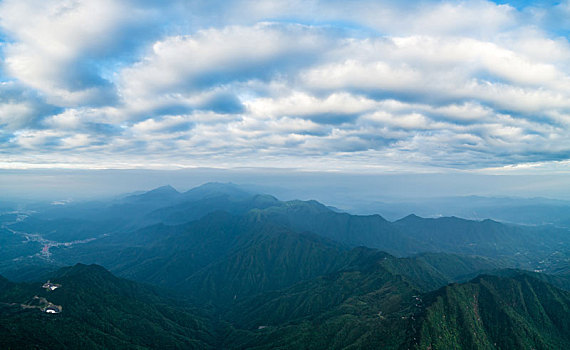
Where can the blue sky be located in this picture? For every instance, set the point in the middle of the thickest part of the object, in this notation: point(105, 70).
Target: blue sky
point(372, 86)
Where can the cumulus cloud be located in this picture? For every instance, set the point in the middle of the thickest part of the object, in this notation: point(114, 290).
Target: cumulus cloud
point(220, 56)
point(57, 47)
point(20, 107)
point(320, 84)
point(444, 69)
point(335, 108)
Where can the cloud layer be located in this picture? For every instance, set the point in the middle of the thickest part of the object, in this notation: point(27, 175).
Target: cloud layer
point(327, 85)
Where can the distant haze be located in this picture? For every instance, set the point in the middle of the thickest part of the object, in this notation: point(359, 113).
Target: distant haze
point(344, 190)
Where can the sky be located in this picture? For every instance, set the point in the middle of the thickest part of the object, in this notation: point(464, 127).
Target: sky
point(369, 86)
point(356, 192)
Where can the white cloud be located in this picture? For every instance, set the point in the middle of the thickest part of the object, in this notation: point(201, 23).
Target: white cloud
point(55, 43)
point(440, 69)
point(460, 18)
point(302, 104)
point(34, 139)
point(76, 141)
point(468, 84)
point(411, 121)
point(472, 18)
point(218, 56)
point(15, 115)
point(352, 74)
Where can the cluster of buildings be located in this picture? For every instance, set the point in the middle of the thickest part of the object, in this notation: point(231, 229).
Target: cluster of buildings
point(51, 308)
point(50, 286)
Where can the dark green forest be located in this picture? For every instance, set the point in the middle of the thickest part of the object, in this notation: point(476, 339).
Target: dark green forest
point(219, 267)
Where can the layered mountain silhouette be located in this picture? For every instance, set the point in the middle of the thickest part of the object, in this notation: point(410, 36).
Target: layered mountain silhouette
point(220, 266)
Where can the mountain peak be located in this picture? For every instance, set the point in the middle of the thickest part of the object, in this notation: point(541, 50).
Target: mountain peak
point(164, 189)
point(160, 193)
point(212, 189)
point(83, 270)
point(311, 204)
point(217, 186)
point(409, 218)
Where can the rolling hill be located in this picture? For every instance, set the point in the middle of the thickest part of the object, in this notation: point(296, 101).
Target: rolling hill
point(99, 311)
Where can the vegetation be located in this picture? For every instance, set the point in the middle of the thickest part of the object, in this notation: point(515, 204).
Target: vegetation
point(100, 311)
point(238, 270)
point(497, 313)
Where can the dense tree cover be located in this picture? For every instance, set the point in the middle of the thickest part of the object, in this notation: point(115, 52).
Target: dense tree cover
point(99, 311)
point(491, 312)
point(249, 271)
point(363, 306)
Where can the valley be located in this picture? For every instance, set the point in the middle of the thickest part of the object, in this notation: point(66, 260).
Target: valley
point(38, 239)
point(284, 175)
point(262, 273)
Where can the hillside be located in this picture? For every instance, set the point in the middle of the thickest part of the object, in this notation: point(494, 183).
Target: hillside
point(139, 227)
point(366, 304)
point(99, 311)
point(223, 258)
point(353, 230)
point(496, 313)
point(355, 310)
point(272, 274)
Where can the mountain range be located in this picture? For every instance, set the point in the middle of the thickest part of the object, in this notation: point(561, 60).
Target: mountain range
point(220, 266)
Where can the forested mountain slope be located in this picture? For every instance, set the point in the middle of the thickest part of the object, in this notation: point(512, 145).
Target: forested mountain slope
point(98, 311)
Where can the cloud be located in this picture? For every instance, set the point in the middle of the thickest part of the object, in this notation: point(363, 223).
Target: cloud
point(317, 84)
point(222, 102)
point(441, 70)
point(20, 107)
point(335, 108)
point(58, 47)
point(472, 18)
point(220, 56)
